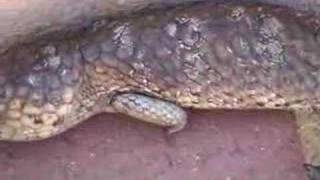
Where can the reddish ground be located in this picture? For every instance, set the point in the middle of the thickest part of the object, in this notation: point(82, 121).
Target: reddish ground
point(214, 146)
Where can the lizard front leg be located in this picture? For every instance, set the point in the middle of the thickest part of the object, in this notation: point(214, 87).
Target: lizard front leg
point(152, 110)
point(308, 121)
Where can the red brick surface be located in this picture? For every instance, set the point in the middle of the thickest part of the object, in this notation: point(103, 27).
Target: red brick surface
point(214, 146)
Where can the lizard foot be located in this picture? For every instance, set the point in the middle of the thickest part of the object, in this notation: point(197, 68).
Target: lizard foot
point(152, 110)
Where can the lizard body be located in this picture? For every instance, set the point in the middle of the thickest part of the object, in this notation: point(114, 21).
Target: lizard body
point(150, 66)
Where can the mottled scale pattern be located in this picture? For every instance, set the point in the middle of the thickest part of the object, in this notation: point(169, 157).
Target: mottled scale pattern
point(158, 112)
point(204, 56)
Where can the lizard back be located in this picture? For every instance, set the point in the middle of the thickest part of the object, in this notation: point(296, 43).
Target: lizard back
point(205, 56)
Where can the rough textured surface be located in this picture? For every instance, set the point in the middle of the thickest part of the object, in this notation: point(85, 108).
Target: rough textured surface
point(24, 19)
point(215, 145)
point(206, 56)
point(230, 57)
point(312, 6)
point(20, 19)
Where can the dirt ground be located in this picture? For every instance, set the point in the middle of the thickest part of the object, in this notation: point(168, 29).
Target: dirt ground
point(214, 146)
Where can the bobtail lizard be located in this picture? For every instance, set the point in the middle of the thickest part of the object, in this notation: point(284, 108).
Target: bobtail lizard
point(152, 65)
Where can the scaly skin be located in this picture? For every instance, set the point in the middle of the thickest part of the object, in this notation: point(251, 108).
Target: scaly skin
point(206, 56)
point(22, 21)
point(311, 6)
